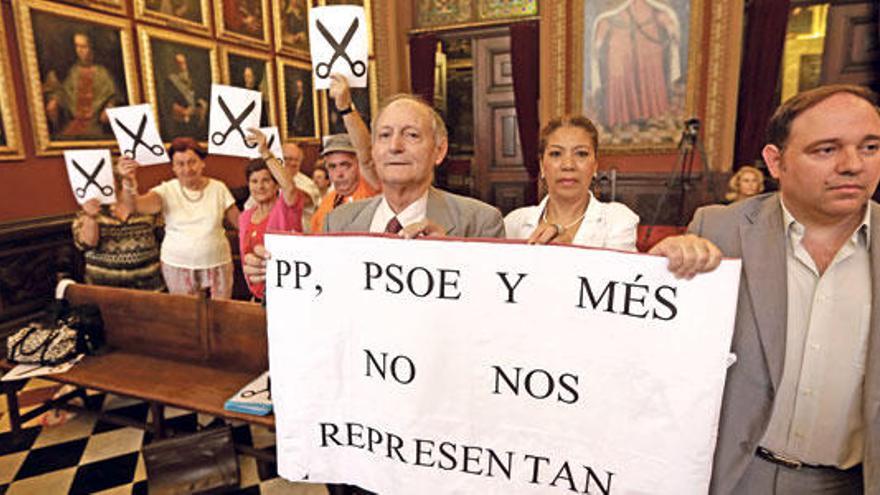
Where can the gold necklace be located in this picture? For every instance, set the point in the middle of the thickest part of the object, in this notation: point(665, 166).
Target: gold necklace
point(191, 200)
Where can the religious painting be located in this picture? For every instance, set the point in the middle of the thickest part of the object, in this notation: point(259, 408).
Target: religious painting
point(188, 15)
point(637, 76)
point(292, 26)
point(78, 63)
point(178, 73)
point(10, 130)
point(299, 110)
point(243, 20)
point(251, 70)
point(362, 98)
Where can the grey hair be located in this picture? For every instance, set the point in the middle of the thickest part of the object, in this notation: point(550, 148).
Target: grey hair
point(437, 124)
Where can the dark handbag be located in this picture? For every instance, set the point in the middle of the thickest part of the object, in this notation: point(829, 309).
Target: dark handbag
point(203, 462)
point(86, 320)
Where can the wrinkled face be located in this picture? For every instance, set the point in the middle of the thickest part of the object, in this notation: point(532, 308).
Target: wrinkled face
point(262, 186)
point(405, 150)
point(188, 168)
point(830, 165)
point(321, 179)
point(293, 157)
point(180, 61)
point(83, 48)
point(749, 184)
point(569, 162)
point(250, 79)
point(344, 173)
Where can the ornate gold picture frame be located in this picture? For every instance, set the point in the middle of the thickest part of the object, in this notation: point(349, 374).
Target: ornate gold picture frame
point(638, 69)
point(291, 21)
point(10, 127)
point(300, 111)
point(243, 21)
point(186, 15)
point(62, 49)
point(252, 70)
point(364, 99)
point(115, 6)
point(178, 72)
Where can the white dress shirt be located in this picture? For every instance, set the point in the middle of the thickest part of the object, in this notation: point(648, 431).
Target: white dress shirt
point(415, 212)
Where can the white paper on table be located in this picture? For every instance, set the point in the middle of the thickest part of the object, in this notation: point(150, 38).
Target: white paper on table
point(228, 127)
point(346, 27)
point(31, 370)
point(273, 139)
point(137, 134)
point(91, 175)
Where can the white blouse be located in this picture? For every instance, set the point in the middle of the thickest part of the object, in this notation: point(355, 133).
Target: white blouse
point(605, 225)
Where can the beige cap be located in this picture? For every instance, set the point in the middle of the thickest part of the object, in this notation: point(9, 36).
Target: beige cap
point(337, 142)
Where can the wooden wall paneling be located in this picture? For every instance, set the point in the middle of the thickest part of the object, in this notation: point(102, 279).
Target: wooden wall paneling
point(852, 48)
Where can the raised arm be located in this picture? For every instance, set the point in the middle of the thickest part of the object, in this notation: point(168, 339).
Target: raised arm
point(357, 130)
point(149, 203)
point(282, 174)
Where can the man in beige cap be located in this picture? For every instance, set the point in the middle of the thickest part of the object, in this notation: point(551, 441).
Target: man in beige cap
point(341, 161)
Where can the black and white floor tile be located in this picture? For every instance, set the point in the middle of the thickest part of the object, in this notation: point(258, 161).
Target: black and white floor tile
point(82, 454)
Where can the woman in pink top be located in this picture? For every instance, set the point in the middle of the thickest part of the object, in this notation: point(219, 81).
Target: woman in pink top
point(265, 176)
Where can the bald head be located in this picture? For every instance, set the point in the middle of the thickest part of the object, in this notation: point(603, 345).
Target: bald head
point(293, 156)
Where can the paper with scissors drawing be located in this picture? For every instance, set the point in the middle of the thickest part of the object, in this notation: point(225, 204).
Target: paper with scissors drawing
point(339, 44)
point(137, 134)
point(273, 140)
point(233, 112)
point(91, 175)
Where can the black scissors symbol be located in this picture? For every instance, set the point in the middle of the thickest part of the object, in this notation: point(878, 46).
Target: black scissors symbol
point(91, 179)
point(138, 137)
point(219, 138)
point(268, 391)
point(358, 68)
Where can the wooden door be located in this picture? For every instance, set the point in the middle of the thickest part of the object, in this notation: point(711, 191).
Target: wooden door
point(852, 50)
point(500, 178)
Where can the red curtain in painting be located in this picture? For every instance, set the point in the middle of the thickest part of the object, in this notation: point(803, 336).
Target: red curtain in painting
point(524, 52)
point(762, 57)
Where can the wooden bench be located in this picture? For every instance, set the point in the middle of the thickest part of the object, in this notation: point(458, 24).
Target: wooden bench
point(188, 352)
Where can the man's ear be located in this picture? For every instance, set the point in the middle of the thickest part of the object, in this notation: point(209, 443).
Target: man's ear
point(773, 158)
point(442, 148)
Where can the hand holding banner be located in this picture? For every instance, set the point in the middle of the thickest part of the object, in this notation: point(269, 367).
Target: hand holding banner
point(233, 112)
point(135, 129)
point(91, 175)
point(339, 44)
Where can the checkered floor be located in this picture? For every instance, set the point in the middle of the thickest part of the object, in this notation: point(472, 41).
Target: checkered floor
point(82, 454)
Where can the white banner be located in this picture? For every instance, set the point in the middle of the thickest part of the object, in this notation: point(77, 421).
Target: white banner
point(483, 367)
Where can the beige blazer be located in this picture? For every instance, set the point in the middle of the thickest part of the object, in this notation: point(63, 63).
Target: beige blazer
point(459, 216)
point(753, 230)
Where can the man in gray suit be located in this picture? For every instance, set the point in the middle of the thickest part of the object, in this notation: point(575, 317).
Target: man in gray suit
point(800, 410)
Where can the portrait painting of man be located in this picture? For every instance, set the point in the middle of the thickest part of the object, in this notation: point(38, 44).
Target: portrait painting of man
point(82, 73)
point(251, 73)
point(182, 75)
point(635, 68)
point(190, 10)
point(243, 18)
point(294, 24)
point(299, 101)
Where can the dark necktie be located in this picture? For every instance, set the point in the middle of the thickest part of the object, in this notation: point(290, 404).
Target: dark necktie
point(338, 200)
point(393, 226)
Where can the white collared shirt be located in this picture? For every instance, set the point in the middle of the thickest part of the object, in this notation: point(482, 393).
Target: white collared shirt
point(605, 225)
point(415, 212)
point(817, 414)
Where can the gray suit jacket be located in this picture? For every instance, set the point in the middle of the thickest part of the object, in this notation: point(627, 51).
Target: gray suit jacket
point(753, 230)
point(460, 216)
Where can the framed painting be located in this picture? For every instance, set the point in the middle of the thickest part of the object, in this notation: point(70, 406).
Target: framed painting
point(292, 27)
point(251, 70)
point(178, 73)
point(243, 21)
point(363, 99)
point(639, 78)
point(299, 107)
point(77, 63)
point(187, 15)
point(10, 130)
point(117, 6)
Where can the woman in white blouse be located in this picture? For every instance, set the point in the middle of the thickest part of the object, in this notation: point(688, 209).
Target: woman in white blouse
point(570, 214)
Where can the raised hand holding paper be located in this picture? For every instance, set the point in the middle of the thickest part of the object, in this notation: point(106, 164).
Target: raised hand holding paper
point(135, 129)
point(338, 37)
point(91, 175)
point(273, 141)
point(233, 112)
